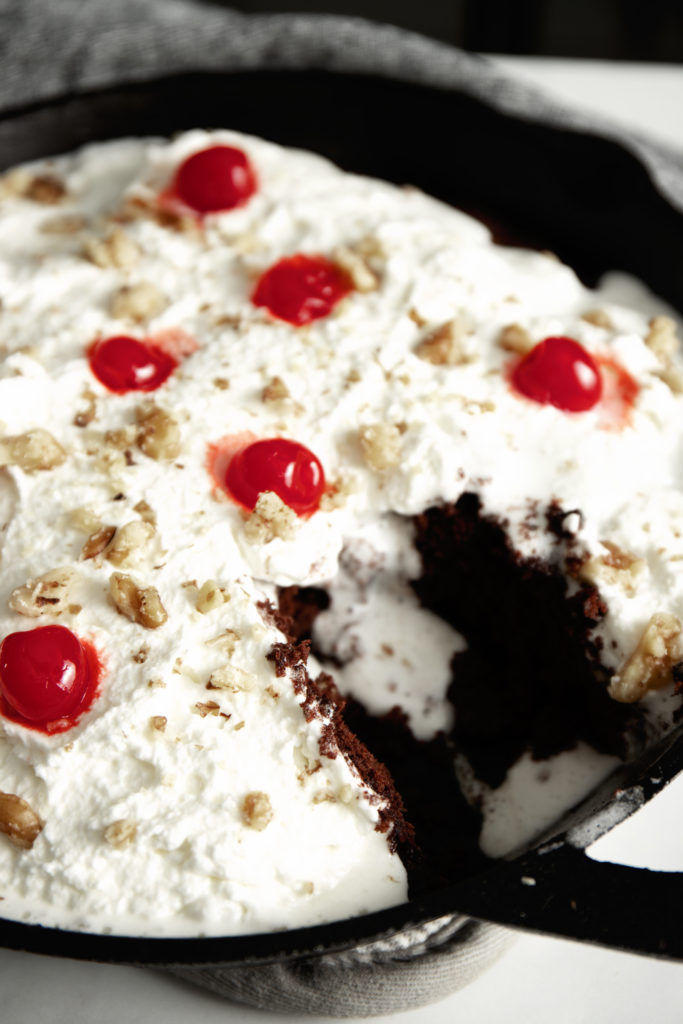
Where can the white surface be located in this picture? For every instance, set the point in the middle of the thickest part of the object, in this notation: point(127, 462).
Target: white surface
point(648, 97)
point(539, 978)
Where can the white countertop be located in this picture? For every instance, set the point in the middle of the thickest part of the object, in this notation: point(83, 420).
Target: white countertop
point(538, 979)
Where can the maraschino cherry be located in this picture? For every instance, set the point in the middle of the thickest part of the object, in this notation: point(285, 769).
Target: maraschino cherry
point(215, 179)
point(127, 364)
point(301, 288)
point(47, 677)
point(276, 464)
point(558, 371)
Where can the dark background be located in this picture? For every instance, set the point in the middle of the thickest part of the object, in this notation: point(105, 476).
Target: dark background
point(616, 29)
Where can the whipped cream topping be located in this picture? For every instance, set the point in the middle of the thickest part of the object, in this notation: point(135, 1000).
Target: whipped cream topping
point(396, 432)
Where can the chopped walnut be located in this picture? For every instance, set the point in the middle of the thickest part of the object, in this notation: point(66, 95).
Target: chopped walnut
point(139, 604)
point(68, 224)
point(662, 338)
point(120, 833)
point(117, 249)
point(122, 438)
point(210, 596)
point(137, 208)
point(146, 513)
point(35, 450)
point(129, 542)
point(381, 446)
point(270, 518)
point(159, 432)
point(84, 417)
point(84, 519)
point(673, 378)
point(444, 345)
point(336, 494)
point(13, 183)
point(355, 265)
point(158, 723)
point(323, 796)
point(257, 810)
point(209, 707)
point(141, 655)
point(226, 641)
point(221, 383)
point(49, 594)
point(231, 678)
point(97, 542)
point(18, 821)
point(44, 188)
point(616, 567)
point(599, 318)
point(138, 302)
point(275, 391)
point(649, 667)
point(515, 338)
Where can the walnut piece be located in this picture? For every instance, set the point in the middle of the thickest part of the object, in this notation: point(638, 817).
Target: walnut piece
point(18, 821)
point(97, 542)
point(275, 391)
point(515, 338)
point(139, 604)
point(158, 723)
point(44, 188)
point(616, 567)
point(599, 318)
point(270, 518)
point(381, 446)
point(84, 519)
point(210, 596)
point(117, 249)
point(138, 302)
point(673, 378)
point(257, 810)
point(231, 678)
point(128, 542)
point(49, 594)
point(85, 416)
point(35, 450)
point(208, 707)
point(120, 833)
point(355, 265)
point(137, 208)
point(226, 641)
point(159, 433)
point(662, 338)
point(444, 345)
point(67, 224)
point(146, 512)
point(122, 438)
point(649, 667)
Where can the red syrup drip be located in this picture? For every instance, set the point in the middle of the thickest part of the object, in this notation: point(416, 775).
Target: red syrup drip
point(299, 288)
point(213, 180)
point(276, 464)
point(559, 372)
point(48, 678)
point(126, 364)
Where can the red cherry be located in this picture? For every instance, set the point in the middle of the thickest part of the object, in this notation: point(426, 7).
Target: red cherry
point(126, 364)
point(276, 464)
point(45, 674)
point(301, 288)
point(559, 372)
point(214, 179)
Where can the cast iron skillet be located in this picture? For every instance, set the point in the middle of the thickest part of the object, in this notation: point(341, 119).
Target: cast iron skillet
point(583, 197)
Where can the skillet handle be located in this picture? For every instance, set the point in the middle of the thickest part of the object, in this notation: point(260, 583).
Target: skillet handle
point(559, 890)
